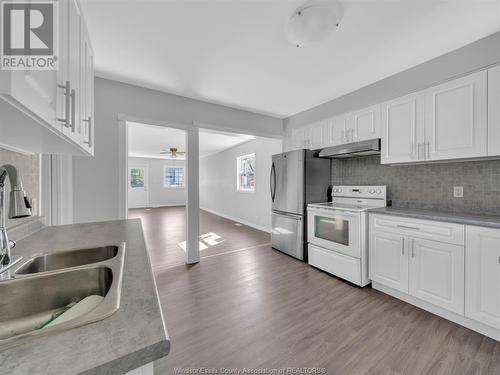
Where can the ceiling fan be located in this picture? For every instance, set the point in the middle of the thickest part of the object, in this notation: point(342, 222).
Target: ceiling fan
point(173, 152)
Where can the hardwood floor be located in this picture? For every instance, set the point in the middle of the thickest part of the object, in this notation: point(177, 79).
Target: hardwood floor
point(165, 229)
point(258, 308)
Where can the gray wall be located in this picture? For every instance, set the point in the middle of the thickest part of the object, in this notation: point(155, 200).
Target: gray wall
point(428, 186)
point(471, 57)
point(29, 170)
point(218, 180)
point(96, 179)
point(158, 194)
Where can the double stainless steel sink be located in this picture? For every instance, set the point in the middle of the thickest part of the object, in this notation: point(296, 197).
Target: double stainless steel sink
point(47, 283)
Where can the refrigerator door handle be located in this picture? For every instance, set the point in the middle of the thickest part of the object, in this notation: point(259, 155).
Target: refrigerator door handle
point(272, 182)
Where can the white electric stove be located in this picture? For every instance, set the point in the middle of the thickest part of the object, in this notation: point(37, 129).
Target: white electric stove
point(337, 232)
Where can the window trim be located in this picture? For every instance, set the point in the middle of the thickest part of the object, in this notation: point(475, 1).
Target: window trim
point(238, 162)
point(183, 186)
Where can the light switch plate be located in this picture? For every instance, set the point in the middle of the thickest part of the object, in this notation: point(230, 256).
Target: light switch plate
point(458, 191)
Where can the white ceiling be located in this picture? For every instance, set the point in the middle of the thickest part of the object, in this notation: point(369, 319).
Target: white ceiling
point(146, 141)
point(236, 53)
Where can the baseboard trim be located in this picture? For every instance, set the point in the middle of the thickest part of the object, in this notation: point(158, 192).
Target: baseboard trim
point(443, 313)
point(160, 205)
point(229, 217)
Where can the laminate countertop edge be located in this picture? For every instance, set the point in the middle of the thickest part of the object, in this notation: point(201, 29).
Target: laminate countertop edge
point(449, 217)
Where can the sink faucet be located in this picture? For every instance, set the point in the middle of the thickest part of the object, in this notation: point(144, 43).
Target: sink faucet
point(19, 207)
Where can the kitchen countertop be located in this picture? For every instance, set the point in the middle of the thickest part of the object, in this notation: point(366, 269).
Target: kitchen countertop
point(450, 217)
point(128, 339)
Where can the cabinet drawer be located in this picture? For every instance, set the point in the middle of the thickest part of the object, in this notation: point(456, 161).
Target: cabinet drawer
point(426, 229)
point(337, 264)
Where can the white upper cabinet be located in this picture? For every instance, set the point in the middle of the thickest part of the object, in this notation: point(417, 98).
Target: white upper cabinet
point(319, 135)
point(73, 129)
point(494, 111)
point(402, 129)
point(338, 129)
point(299, 138)
point(388, 260)
point(444, 122)
point(456, 118)
point(87, 91)
point(437, 273)
point(41, 110)
point(364, 124)
point(482, 296)
point(459, 119)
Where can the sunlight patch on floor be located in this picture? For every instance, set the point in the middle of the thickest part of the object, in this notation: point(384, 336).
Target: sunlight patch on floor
point(206, 240)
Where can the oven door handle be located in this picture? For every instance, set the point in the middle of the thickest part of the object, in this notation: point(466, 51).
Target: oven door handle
point(332, 213)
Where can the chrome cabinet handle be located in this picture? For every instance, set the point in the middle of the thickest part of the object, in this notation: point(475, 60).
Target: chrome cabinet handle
point(89, 124)
point(73, 110)
point(67, 88)
point(413, 248)
point(403, 247)
point(407, 227)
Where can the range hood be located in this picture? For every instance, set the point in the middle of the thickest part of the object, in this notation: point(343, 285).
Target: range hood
point(352, 150)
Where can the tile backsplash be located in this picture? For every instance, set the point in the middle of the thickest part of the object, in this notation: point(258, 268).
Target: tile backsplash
point(28, 167)
point(428, 186)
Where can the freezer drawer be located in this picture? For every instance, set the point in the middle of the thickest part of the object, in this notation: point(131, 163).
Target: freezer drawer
point(288, 234)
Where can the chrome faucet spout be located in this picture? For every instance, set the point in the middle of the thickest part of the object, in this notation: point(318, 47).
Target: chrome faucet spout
point(19, 207)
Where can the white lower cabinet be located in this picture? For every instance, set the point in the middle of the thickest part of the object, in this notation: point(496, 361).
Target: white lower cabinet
point(437, 273)
point(402, 257)
point(483, 275)
point(456, 276)
point(429, 270)
point(388, 260)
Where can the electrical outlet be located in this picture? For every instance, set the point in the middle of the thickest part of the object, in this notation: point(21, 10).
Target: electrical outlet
point(458, 191)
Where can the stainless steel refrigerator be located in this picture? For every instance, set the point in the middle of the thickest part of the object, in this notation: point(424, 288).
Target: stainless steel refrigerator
point(297, 179)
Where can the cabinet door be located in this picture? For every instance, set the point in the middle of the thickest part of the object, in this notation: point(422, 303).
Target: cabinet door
point(319, 135)
point(338, 129)
point(456, 118)
point(494, 111)
point(299, 138)
point(87, 91)
point(482, 299)
point(437, 273)
point(38, 90)
point(74, 67)
point(402, 129)
point(366, 124)
point(388, 260)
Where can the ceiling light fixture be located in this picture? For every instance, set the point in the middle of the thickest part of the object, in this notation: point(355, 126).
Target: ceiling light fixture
point(314, 21)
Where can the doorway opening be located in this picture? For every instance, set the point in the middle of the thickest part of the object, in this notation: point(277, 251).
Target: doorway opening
point(234, 200)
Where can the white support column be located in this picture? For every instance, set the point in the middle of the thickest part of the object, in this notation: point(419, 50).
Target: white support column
point(193, 197)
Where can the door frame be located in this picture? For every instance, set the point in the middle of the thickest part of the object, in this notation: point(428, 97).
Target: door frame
point(192, 178)
point(146, 180)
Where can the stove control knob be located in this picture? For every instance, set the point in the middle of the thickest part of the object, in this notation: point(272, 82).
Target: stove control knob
point(372, 191)
point(379, 191)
